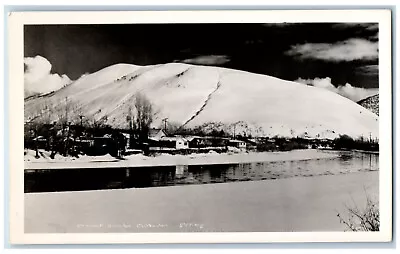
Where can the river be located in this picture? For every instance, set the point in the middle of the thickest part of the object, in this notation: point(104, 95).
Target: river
point(55, 180)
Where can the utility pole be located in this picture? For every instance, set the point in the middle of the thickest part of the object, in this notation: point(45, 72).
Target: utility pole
point(165, 123)
point(66, 109)
point(81, 131)
point(36, 142)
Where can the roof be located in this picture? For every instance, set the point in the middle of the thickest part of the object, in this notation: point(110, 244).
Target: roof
point(190, 138)
point(126, 135)
point(40, 138)
point(236, 141)
point(84, 140)
point(205, 137)
point(172, 139)
point(252, 141)
point(154, 131)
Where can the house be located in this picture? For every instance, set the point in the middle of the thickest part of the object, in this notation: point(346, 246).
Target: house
point(127, 139)
point(96, 145)
point(197, 142)
point(237, 143)
point(40, 142)
point(176, 142)
point(204, 142)
point(182, 143)
point(156, 134)
point(251, 144)
point(84, 143)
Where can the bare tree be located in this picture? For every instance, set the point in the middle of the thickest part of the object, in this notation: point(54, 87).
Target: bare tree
point(47, 115)
point(67, 113)
point(144, 116)
point(38, 124)
point(130, 118)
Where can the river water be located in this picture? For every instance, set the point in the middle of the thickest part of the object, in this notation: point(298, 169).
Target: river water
point(51, 180)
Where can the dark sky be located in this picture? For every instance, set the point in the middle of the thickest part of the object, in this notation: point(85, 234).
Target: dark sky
point(344, 52)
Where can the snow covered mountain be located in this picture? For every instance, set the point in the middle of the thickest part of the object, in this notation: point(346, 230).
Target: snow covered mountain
point(211, 97)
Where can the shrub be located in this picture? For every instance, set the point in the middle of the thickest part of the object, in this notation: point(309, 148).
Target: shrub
point(362, 220)
point(346, 142)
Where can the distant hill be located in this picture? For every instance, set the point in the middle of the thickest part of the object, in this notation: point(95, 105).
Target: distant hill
point(371, 103)
point(213, 98)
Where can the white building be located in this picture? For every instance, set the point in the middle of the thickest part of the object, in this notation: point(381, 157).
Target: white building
point(179, 142)
point(237, 143)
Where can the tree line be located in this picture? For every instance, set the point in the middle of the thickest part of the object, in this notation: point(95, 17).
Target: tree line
point(60, 128)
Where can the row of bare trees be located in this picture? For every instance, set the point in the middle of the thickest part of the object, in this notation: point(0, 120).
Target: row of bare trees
point(140, 117)
point(62, 123)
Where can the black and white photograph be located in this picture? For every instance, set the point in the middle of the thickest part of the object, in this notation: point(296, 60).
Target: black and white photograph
point(204, 127)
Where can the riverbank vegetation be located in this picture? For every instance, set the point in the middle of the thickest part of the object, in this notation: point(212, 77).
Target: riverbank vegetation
point(366, 219)
point(348, 143)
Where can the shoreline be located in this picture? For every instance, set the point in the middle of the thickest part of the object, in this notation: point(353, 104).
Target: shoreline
point(176, 160)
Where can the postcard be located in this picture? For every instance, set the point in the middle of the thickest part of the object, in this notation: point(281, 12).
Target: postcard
point(200, 126)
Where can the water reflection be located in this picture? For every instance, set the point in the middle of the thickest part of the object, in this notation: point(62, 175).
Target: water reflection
point(181, 171)
point(93, 179)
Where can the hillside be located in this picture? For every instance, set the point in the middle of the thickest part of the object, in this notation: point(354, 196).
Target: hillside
point(211, 97)
point(371, 103)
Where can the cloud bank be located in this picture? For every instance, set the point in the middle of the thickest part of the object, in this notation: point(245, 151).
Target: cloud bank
point(371, 70)
point(208, 60)
point(38, 78)
point(349, 50)
point(363, 26)
point(353, 93)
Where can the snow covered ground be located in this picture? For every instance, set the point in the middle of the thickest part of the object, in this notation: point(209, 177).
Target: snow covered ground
point(292, 204)
point(139, 160)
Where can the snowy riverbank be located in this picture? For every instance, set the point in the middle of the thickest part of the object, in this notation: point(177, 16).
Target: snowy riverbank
point(292, 204)
point(139, 160)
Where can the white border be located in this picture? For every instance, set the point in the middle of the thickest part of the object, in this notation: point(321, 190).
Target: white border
point(18, 19)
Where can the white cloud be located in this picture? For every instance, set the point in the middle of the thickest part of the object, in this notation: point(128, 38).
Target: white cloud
point(208, 60)
point(38, 79)
point(348, 91)
point(349, 50)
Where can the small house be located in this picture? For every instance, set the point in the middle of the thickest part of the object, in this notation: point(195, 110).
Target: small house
point(127, 138)
point(182, 143)
point(40, 142)
point(207, 142)
point(237, 143)
point(251, 144)
point(197, 142)
point(176, 142)
point(84, 143)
